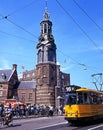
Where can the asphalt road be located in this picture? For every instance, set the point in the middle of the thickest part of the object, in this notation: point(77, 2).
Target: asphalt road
point(51, 123)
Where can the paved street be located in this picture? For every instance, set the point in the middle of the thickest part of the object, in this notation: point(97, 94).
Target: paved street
point(50, 123)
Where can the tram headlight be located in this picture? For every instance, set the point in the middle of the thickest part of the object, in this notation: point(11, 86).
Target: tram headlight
point(70, 113)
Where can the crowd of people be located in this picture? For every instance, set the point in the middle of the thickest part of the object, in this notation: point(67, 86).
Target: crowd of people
point(30, 110)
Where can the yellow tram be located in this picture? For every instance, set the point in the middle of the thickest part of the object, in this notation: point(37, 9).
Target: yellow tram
point(83, 105)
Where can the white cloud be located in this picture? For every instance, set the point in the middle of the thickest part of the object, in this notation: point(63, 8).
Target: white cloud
point(66, 68)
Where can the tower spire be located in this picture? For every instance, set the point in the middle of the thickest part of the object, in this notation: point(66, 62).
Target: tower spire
point(46, 14)
point(46, 46)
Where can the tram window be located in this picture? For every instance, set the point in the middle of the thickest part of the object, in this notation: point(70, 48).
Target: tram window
point(86, 99)
point(66, 98)
point(93, 98)
point(71, 99)
point(80, 98)
point(100, 99)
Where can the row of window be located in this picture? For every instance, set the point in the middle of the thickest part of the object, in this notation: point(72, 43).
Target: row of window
point(28, 75)
point(23, 96)
point(90, 98)
point(84, 98)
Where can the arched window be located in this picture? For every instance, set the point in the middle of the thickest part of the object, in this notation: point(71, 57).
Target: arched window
point(51, 55)
point(39, 56)
point(45, 28)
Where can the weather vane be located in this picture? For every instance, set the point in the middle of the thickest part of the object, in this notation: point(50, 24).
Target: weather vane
point(46, 15)
point(46, 3)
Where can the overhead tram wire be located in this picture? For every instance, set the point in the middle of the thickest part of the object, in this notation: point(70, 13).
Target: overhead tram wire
point(70, 57)
point(1, 17)
point(6, 17)
point(18, 10)
point(93, 42)
point(78, 63)
point(16, 36)
point(87, 15)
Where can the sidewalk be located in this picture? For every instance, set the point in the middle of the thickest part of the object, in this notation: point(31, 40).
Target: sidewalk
point(33, 116)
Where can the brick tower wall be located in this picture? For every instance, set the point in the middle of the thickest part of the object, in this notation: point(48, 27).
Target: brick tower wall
point(46, 82)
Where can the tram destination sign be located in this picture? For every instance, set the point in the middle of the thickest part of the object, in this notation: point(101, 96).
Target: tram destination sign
point(71, 88)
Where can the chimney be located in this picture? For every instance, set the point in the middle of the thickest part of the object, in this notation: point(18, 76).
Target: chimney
point(14, 67)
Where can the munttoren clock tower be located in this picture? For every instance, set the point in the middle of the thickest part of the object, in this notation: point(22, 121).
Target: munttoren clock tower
point(46, 72)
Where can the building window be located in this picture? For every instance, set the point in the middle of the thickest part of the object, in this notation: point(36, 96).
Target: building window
point(28, 75)
point(1, 90)
point(23, 96)
point(24, 76)
point(30, 96)
point(3, 76)
point(33, 74)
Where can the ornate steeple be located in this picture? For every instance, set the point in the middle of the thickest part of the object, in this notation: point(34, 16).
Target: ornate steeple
point(46, 46)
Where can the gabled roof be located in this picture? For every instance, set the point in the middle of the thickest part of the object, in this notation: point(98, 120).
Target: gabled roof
point(27, 85)
point(5, 75)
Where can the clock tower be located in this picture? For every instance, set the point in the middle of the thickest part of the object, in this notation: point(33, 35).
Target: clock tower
point(46, 68)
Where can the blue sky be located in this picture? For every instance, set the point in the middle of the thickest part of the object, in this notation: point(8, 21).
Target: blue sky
point(77, 29)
